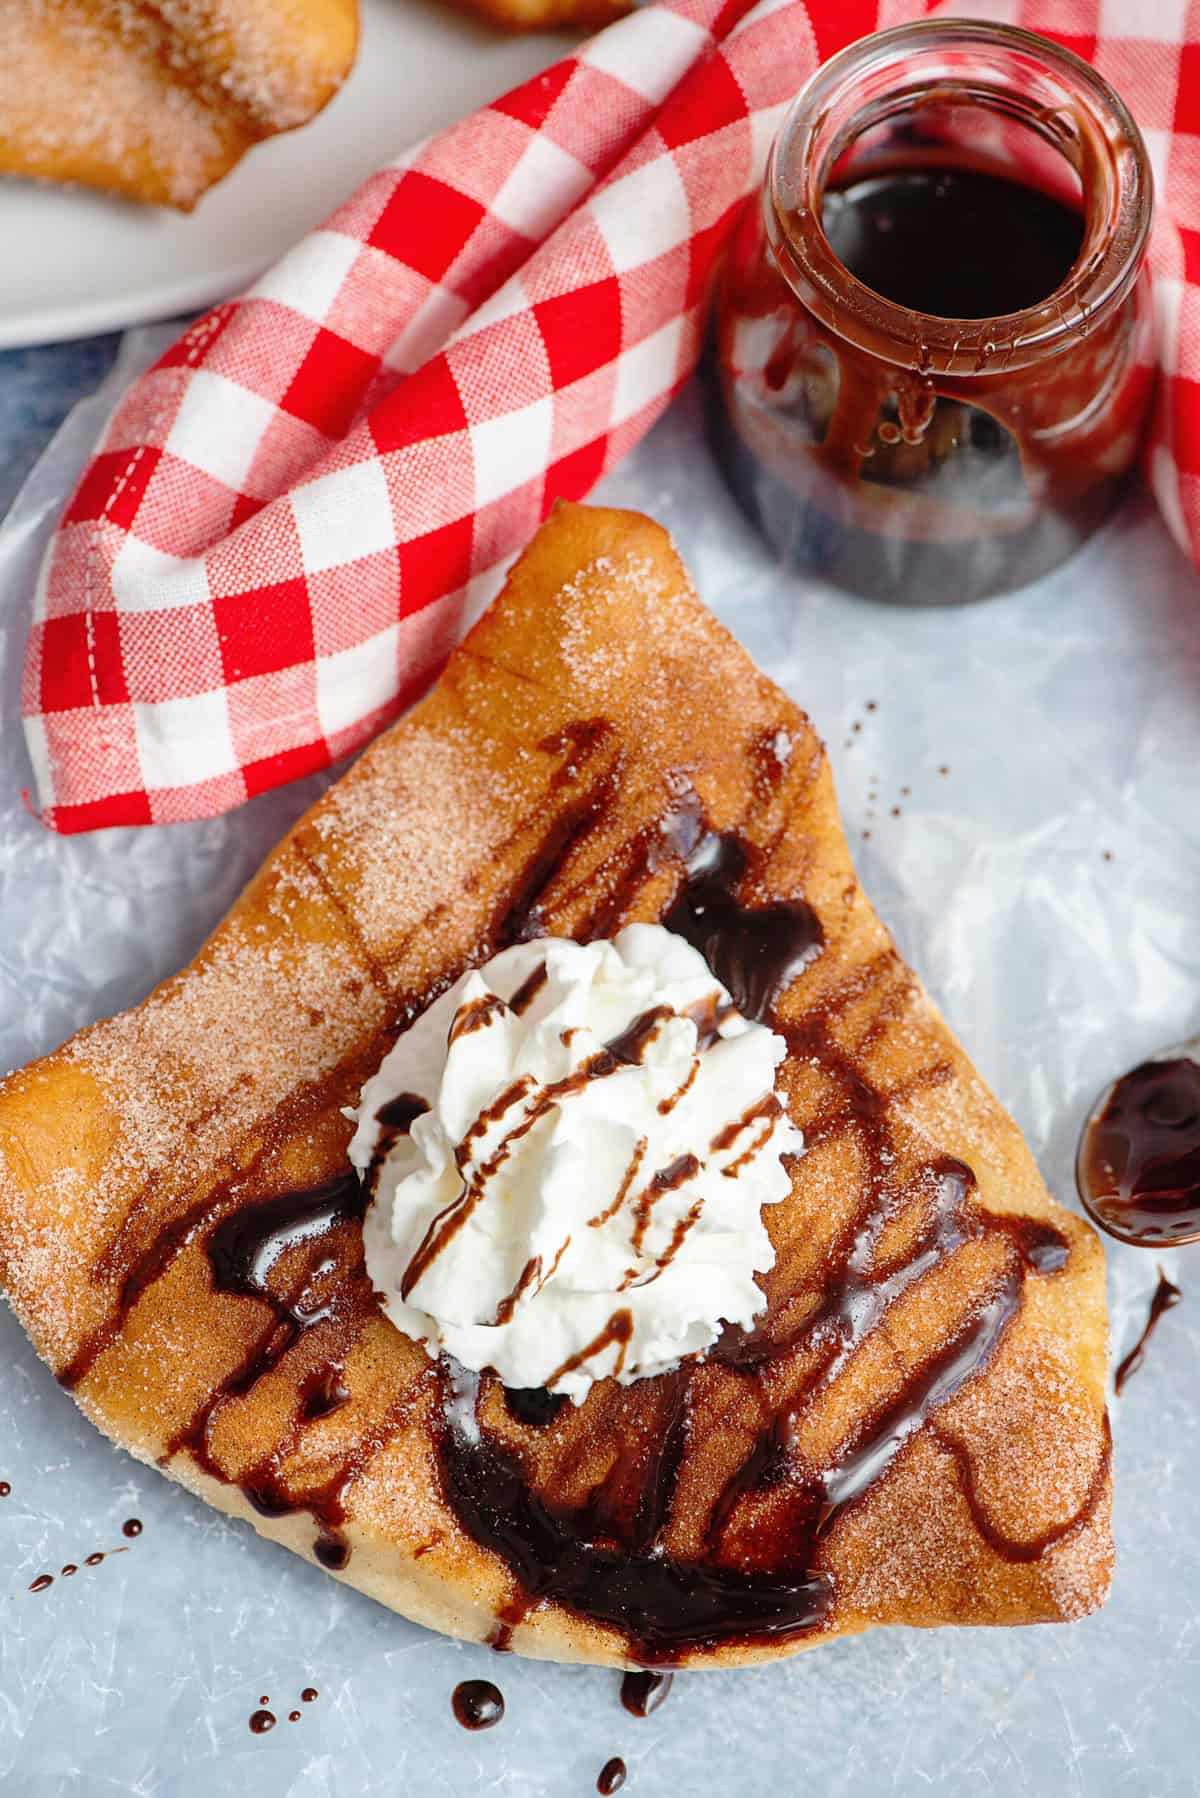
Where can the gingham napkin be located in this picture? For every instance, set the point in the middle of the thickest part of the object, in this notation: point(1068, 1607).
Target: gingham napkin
point(289, 515)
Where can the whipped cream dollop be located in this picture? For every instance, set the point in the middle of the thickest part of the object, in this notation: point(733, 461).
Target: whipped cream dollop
point(569, 1153)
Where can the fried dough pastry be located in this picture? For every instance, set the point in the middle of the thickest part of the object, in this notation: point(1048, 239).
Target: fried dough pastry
point(157, 99)
point(915, 1432)
point(547, 15)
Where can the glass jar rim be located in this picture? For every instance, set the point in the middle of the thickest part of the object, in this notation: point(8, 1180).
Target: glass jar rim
point(1117, 219)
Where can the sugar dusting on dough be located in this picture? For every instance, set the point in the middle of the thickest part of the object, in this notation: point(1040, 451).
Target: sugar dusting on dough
point(156, 98)
point(192, 1075)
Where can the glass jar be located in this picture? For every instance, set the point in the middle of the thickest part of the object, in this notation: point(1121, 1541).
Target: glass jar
point(933, 352)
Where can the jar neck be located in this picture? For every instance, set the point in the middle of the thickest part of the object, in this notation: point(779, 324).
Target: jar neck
point(1002, 99)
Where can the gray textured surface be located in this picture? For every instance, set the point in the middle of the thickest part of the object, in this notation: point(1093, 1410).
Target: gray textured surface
point(1069, 716)
point(38, 387)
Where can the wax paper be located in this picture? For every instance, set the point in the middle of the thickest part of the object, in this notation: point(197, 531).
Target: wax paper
point(1019, 782)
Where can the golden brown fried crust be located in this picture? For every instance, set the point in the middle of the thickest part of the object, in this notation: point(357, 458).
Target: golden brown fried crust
point(546, 15)
point(155, 100)
point(565, 728)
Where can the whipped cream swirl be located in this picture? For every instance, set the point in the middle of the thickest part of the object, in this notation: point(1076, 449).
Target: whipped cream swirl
point(569, 1153)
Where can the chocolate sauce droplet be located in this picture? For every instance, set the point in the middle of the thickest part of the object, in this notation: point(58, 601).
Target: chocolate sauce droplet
point(132, 1526)
point(5, 1488)
point(68, 1570)
point(94, 1560)
point(1166, 1296)
point(331, 1551)
point(41, 1582)
point(478, 1704)
point(1139, 1160)
point(309, 1694)
point(612, 1777)
point(643, 1692)
point(264, 1698)
point(261, 1722)
point(293, 1716)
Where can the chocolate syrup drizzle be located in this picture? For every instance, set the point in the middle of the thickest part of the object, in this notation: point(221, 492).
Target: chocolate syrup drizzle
point(1165, 1298)
point(611, 1777)
point(607, 1559)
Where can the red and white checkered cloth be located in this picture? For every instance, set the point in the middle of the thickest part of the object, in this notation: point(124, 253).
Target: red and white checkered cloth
point(277, 539)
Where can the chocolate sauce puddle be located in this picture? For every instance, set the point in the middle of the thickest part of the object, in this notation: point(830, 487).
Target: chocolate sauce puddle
point(665, 1607)
point(754, 951)
point(1166, 1296)
point(244, 1247)
point(1139, 1161)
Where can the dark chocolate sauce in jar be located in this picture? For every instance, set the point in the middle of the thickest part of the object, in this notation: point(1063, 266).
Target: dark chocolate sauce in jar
point(478, 1704)
point(612, 1777)
point(954, 242)
point(642, 1692)
point(1165, 1297)
point(1139, 1160)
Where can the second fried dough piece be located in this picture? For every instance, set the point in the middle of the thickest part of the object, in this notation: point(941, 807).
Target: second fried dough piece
point(156, 102)
point(547, 15)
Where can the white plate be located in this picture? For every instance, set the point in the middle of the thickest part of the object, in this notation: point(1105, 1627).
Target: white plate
point(76, 262)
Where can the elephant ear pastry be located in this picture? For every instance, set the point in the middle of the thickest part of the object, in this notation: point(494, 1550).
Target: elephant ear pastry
point(156, 101)
point(915, 1430)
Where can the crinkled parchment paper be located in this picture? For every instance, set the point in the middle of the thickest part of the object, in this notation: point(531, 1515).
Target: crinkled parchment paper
point(1027, 774)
